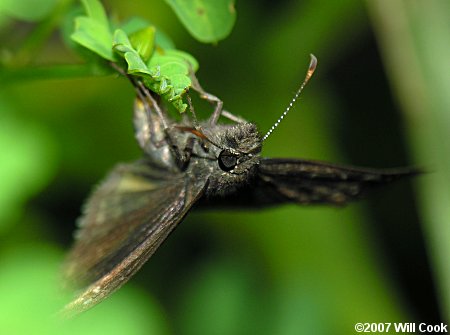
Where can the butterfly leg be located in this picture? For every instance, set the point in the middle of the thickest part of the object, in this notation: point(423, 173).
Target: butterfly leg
point(218, 111)
point(187, 152)
point(212, 99)
point(146, 96)
point(148, 102)
point(233, 117)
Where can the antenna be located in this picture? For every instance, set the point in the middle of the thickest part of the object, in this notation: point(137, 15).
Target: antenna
point(309, 73)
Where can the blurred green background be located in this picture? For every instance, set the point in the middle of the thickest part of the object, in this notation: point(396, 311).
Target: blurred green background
point(380, 97)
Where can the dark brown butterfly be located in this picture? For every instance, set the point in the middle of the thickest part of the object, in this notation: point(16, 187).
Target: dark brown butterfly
point(185, 164)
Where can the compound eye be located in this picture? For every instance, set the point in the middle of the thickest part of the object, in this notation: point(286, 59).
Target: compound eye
point(227, 160)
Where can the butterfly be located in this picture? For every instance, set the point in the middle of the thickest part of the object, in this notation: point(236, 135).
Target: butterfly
point(189, 163)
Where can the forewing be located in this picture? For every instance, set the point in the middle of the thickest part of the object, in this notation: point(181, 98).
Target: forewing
point(300, 181)
point(124, 221)
point(313, 182)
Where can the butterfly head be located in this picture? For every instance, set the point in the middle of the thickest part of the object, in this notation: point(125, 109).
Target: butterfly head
point(237, 153)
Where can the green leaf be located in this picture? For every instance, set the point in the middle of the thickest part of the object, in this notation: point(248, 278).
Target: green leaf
point(182, 57)
point(175, 66)
point(171, 69)
point(136, 23)
point(93, 31)
point(96, 12)
point(164, 71)
point(121, 42)
point(143, 41)
point(135, 64)
point(206, 20)
point(167, 73)
point(167, 59)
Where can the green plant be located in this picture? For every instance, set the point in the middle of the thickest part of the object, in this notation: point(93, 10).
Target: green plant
point(65, 120)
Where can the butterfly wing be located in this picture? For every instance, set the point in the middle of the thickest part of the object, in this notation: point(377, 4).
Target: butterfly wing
point(313, 182)
point(124, 221)
point(308, 182)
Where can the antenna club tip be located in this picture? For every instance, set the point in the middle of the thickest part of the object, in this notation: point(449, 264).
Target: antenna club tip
point(312, 63)
point(309, 73)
